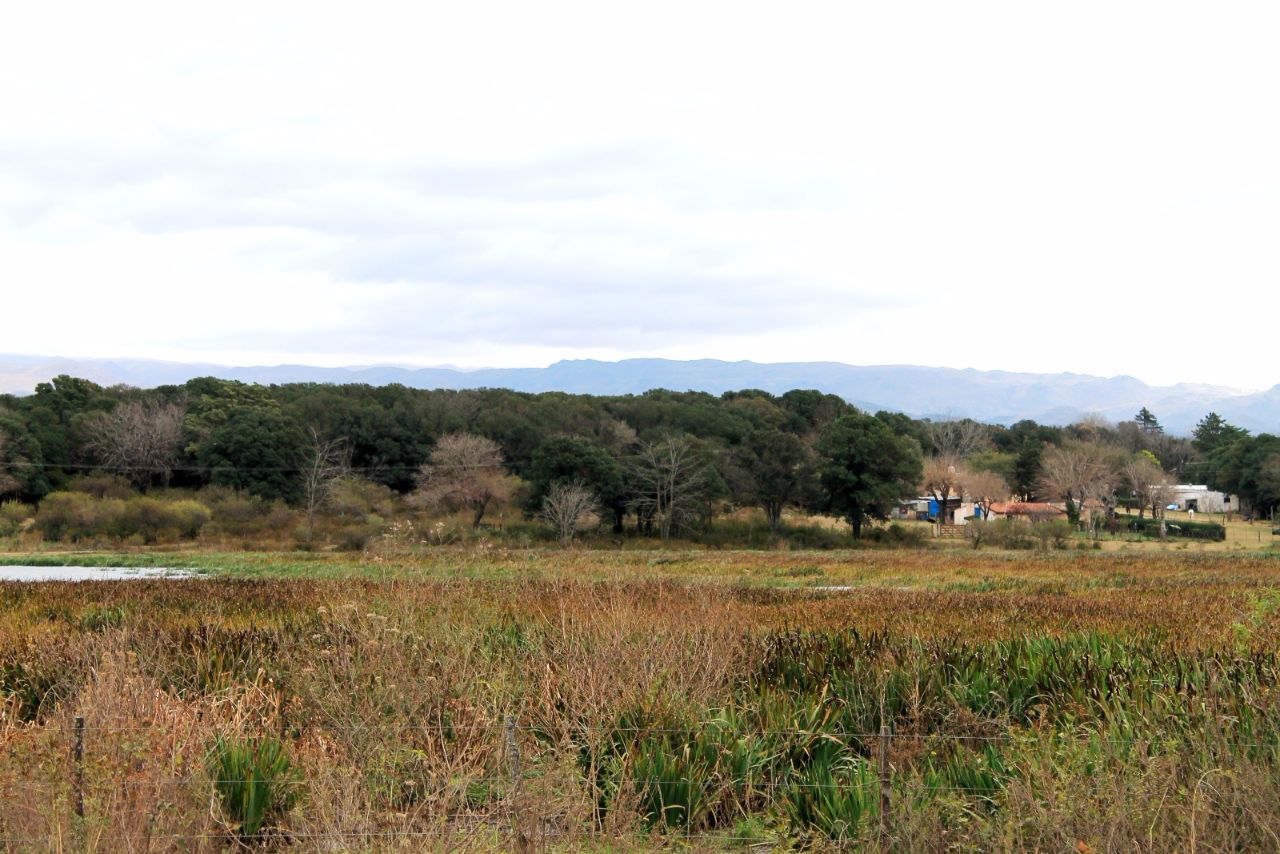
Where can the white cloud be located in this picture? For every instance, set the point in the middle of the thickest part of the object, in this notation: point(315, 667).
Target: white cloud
point(998, 185)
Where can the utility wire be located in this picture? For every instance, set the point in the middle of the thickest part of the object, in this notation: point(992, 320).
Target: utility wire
point(224, 468)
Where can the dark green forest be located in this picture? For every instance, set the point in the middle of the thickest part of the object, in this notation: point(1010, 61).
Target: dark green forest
point(660, 463)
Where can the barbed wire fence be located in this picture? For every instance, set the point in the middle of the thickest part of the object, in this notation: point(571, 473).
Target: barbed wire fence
point(508, 822)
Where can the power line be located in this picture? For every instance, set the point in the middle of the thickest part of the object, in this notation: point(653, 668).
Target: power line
point(224, 468)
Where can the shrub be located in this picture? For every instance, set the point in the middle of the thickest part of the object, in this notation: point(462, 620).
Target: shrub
point(101, 485)
point(1003, 533)
point(142, 517)
point(1020, 534)
point(896, 534)
point(1055, 531)
point(355, 537)
point(12, 516)
point(68, 516)
point(734, 533)
point(189, 517)
point(77, 516)
point(239, 514)
point(815, 537)
point(1186, 530)
point(254, 781)
point(358, 497)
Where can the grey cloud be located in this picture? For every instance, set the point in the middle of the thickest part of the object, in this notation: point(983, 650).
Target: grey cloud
point(540, 252)
point(632, 316)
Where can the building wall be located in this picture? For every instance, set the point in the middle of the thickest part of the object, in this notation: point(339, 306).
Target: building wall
point(1206, 500)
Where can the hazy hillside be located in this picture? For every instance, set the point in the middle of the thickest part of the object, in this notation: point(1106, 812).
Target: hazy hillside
point(994, 396)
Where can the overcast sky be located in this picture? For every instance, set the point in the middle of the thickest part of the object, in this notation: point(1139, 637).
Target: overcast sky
point(1092, 187)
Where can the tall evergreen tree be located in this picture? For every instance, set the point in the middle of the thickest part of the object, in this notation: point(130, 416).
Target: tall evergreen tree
point(1147, 421)
point(1212, 432)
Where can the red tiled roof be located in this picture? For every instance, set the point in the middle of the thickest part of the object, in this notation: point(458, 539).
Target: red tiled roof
point(1025, 508)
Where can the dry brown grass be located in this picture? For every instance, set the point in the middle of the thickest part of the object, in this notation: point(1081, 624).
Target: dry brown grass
point(392, 695)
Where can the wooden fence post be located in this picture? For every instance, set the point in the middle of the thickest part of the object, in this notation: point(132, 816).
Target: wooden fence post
point(77, 780)
point(886, 783)
point(513, 767)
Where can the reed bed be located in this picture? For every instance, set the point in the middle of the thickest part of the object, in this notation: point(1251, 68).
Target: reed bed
point(1121, 704)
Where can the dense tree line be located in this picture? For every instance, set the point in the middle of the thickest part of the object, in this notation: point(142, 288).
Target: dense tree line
point(1235, 462)
point(660, 462)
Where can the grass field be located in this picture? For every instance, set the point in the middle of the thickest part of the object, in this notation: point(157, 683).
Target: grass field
point(706, 700)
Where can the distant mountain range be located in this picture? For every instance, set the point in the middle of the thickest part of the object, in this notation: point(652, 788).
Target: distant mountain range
point(1001, 397)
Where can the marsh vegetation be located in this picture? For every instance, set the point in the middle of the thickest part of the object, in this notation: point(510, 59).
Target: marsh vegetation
point(703, 699)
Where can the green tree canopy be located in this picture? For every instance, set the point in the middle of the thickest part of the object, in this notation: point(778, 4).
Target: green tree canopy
point(1249, 467)
point(775, 469)
point(386, 435)
point(866, 469)
point(261, 450)
point(569, 459)
point(812, 410)
point(1014, 438)
point(1147, 421)
point(1212, 432)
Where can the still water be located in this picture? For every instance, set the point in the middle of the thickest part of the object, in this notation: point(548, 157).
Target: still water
point(86, 573)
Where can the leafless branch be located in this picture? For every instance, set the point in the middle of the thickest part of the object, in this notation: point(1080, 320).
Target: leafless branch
point(671, 481)
point(327, 463)
point(464, 471)
point(568, 507)
point(139, 439)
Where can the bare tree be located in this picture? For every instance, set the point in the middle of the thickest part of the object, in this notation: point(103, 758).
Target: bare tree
point(986, 488)
point(327, 463)
point(464, 471)
point(568, 507)
point(1092, 428)
point(139, 439)
point(1075, 473)
point(1143, 476)
point(960, 438)
point(1149, 485)
point(672, 481)
point(944, 476)
point(1162, 493)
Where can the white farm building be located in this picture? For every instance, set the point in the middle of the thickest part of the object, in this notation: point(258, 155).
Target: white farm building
point(1202, 499)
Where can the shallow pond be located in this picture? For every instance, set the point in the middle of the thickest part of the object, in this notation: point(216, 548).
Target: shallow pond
point(86, 573)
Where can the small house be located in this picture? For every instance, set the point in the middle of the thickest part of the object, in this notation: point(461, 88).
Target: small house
point(926, 508)
point(914, 509)
point(1031, 511)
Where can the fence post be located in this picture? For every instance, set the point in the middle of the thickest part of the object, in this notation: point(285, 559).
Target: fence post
point(77, 779)
point(513, 767)
point(886, 785)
